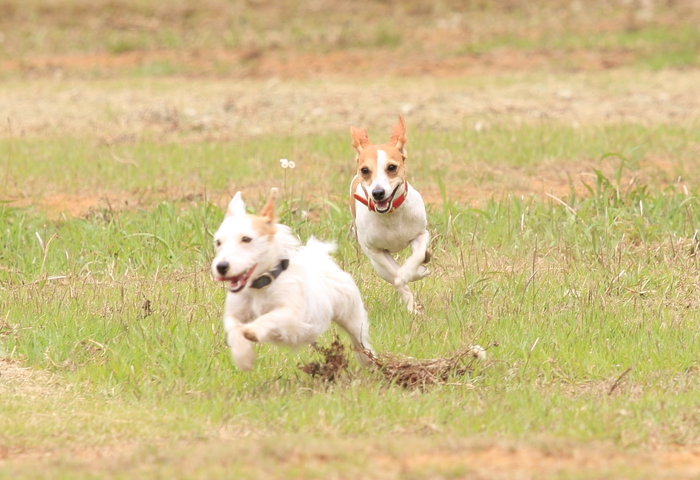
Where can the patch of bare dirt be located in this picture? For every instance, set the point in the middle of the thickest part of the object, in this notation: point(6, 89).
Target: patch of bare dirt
point(59, 205)
point(26, 383)
point(256, 63)
point(75, 205)
point(528, 463)
point(386, 458)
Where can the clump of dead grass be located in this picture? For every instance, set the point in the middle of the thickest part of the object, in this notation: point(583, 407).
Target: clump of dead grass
point(334, 362)
point(411, 373)
point(407, 372)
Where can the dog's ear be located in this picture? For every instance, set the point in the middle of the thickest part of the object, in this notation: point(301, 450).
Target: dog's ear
point(359, 138)
point(236, 206)
point(268, 211)
point(398, 135)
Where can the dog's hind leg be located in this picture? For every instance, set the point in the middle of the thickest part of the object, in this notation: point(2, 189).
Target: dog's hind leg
point(412, 269)
point(355, 323)
point(242, 349)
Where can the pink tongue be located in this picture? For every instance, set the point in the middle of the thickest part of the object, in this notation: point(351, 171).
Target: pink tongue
point(384, 204)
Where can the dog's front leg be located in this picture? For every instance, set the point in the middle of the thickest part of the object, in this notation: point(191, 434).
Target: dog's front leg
point(383, 263)
point(242, 349)
point(282, 326)
point(413, 268)
point(387, 268)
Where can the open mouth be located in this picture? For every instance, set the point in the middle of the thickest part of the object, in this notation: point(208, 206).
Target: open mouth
point(383, 206)
point(239, 281)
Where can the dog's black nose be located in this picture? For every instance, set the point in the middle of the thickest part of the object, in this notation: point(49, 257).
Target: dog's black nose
point(222, 267)
point(378, 193)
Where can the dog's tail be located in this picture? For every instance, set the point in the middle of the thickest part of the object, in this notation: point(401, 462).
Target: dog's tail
point(318, 245)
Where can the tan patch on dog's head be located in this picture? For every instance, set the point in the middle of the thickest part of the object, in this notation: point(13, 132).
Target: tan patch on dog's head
point(264, 223)
point(368, 167)
point(379, 167)
point(367, 153)
point(263, 226)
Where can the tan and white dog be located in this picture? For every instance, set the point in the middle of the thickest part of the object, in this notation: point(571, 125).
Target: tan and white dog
point(280, 292)
point(388, 213)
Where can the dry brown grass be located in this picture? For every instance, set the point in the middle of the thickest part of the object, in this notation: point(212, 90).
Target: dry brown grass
point(333, 364)
point(407, 372)
point(412, 373)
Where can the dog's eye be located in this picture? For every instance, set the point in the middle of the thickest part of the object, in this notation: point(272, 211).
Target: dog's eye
point(217, 242)
point(392, 168)
point(364, 170)
point(246, 239)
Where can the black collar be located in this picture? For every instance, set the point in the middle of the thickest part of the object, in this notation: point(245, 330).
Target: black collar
point(268, 277)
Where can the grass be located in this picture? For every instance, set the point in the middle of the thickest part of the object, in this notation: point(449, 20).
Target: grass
point(119, 305)
point(651, 46)
point(93, 328)
point(149, 171)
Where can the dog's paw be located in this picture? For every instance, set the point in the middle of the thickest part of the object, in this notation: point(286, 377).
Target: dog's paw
point(404, 276)
point(244, 361)
point(242, 350)
point(411, 308)
point(250, 334)
point(415, 309)
point(421, 272)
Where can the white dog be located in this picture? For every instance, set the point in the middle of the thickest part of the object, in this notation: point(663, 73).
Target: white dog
point(279, 292)
point(389, 214)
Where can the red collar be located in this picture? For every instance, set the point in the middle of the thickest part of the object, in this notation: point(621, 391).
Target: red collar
point(396, 203)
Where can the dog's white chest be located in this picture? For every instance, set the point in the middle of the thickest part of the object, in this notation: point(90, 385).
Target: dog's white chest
point(392, 231)
point(246, 307)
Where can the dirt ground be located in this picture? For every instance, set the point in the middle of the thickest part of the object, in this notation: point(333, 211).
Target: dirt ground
point(306, 93)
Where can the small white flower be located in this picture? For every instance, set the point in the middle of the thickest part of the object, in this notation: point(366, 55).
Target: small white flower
point(292, 164)
point(478, 352)
point(284, 163)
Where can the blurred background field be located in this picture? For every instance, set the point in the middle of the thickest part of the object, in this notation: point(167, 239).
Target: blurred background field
point(298, 39)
